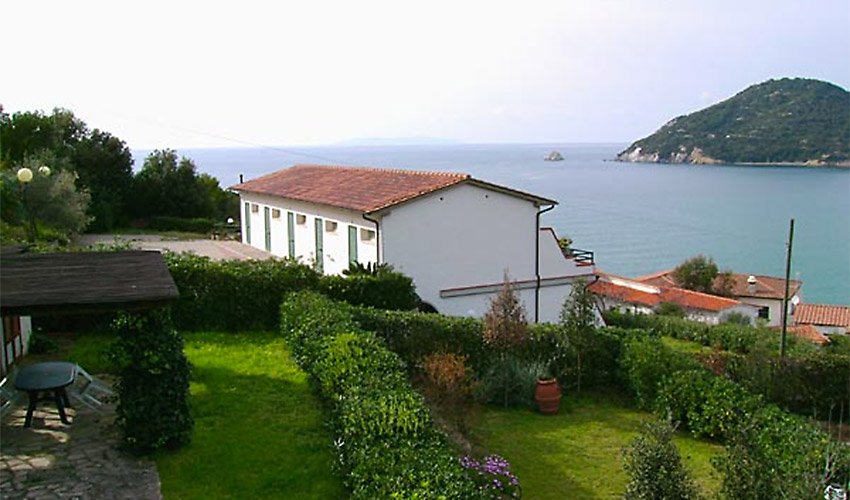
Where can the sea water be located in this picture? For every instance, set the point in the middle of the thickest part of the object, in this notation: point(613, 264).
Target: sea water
point(636, 218)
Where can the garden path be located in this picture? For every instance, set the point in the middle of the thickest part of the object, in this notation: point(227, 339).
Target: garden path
point(79, 461)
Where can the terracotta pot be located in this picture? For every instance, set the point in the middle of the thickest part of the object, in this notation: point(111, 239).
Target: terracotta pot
point(548, 396)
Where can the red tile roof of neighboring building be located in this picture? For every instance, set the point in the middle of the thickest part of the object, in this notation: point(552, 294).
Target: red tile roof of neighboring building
point(824, 315)
point(766, 287)
point(808, 332)
point(362, 189)
point(684, 298)
point(624, 293)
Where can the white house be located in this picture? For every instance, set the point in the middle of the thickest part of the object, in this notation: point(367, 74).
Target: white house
point(614, 292)
point(763, 292)
point(456, 236)
point(826, 319)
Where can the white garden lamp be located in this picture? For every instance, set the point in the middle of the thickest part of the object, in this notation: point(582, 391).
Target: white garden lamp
point(25, 175)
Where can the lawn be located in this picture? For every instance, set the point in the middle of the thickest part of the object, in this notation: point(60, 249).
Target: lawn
point(577, 453)
point(258, 429)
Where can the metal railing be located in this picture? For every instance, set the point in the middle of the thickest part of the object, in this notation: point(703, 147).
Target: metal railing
point(582, 256)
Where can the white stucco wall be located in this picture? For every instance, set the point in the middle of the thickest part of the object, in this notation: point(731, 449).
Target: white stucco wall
point(462, 236)
point(775, 306)
point(334, 242)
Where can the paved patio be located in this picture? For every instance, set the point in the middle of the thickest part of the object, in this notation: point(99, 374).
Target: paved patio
point(79, 461)
point(214, 249)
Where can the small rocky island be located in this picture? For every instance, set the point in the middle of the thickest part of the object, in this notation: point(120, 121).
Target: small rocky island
point(554, 156)
point(791, 121)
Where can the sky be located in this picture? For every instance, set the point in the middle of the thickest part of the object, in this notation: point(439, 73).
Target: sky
point(226, 74)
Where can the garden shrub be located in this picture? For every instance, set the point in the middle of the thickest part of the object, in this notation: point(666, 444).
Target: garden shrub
point(449, 387)
point(777, 455)
point(707, 404)
point(387, 444)
point(510, 381)
point(493, 476)
point(153, 383)
point(655, 467)
point(383, 289)
point(645, 362)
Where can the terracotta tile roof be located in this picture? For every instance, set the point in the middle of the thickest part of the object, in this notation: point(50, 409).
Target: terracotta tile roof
point(767, 287)
point(635, 292)
point(360, 188)
point(808, 332)
point(695, 300)
point(824, 315)
point(624, 293)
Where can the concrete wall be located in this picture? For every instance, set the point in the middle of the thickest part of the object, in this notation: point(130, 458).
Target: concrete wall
point(775, 305)
point(335, 224)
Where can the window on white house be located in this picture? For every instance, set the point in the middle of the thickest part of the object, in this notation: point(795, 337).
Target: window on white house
point(330, 226)
point(764, 312)
point(367, 235)
point(300, 219)
point(255, 208)
point(275, 213)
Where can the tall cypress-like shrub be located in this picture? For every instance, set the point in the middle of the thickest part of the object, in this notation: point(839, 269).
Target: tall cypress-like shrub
point(153, 382)
point(655, 467)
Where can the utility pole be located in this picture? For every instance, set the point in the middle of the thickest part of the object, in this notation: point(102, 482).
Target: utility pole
point(787, 286)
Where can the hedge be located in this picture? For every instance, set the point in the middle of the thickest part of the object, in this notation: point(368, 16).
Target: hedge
point(168, 223)
point(387, 444)
point(234, 295)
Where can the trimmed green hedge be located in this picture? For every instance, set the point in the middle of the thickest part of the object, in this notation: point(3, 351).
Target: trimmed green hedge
point(388, 446)
point(234, 295)
point(168, 223)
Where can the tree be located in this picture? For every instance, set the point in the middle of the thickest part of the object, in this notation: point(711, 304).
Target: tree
point(51, 199)
point(578, 320)
point(700, 274)
point(105, 167)
point(168, 187)
point(505, 325)
point(102, 162)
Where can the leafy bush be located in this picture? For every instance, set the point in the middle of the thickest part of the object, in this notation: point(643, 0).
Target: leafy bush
point(388, 446)
point(153, 383)
point(510, 381)
point(645, 362)
point(169, 223)
point(233, 295)
point(709, 405)
point(776, 455)
point(655, 467)
point(449, 387)
point(384, 289)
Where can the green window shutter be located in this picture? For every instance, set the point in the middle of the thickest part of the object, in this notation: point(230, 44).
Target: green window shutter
point(268, 220)
point(290, 230)
point(352, 244)
point(320, 251)
point(247, 223)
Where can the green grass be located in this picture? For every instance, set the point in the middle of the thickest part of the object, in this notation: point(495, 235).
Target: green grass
point(577, 453)
point(258, 430)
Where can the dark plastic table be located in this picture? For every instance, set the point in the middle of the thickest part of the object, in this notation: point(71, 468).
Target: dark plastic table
point(53, 377)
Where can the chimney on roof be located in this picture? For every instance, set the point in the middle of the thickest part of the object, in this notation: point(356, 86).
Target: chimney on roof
point(240, 179)
point(751, 284)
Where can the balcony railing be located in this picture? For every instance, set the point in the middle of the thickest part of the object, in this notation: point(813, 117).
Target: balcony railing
point(582, 257)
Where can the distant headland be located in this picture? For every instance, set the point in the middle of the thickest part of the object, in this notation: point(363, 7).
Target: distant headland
point(790, 121)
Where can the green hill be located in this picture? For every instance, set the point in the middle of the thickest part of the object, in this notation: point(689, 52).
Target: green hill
point(792, 120)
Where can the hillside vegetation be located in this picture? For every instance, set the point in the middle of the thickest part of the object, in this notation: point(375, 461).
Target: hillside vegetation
point(791, 120)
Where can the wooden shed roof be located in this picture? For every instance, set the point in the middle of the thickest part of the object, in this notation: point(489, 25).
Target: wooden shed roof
point(50, 283)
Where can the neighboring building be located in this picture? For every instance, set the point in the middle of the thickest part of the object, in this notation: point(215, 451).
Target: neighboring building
point(614, 292)
point(764, 292)
point(456, 236)
point(826, 319)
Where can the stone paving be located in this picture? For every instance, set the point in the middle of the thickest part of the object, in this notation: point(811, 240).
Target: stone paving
point(214, 249)
point(80, 461)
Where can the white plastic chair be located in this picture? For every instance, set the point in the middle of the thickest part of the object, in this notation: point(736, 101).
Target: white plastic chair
point(8, 394)
point(90, 391)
